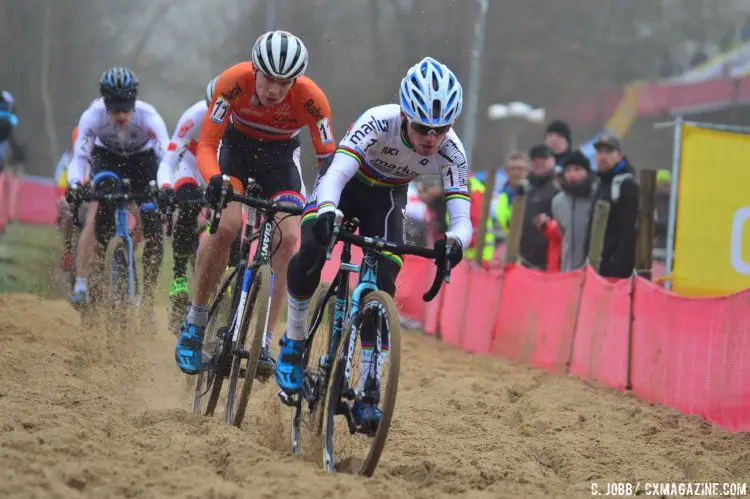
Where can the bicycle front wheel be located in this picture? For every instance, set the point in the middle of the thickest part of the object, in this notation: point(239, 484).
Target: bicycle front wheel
point(361, 376)
point(249, 343)
point(219, 320)
point(308, 413)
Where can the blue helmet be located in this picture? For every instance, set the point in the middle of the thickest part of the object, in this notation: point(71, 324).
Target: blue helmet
point(118, 83)
point(431, 94)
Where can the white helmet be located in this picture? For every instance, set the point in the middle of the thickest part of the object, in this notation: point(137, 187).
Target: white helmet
point(280, 54)
point(210, 90)
point(431, 94)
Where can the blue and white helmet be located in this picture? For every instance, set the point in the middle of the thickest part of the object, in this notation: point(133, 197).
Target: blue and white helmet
point(118, 83)
point(210, 90)
point(431, 94)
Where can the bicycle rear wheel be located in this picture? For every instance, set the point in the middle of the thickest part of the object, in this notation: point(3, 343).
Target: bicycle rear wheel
point(254, 323)
point(345, 444)
point(308, 413)
point(215, 341)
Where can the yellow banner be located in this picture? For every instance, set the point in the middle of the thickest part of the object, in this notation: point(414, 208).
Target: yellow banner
point(712, 241)
point(626, 113)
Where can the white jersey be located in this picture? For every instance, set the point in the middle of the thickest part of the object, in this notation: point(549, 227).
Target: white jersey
point(179, 161)
point(145, 132)
point(377, 152)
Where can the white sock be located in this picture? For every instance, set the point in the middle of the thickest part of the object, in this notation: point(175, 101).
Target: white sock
point(295, 320)
point(267, 340)
point(198, 315)
point(81, 285)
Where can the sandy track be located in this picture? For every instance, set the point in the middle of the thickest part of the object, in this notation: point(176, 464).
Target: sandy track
point(82, 414)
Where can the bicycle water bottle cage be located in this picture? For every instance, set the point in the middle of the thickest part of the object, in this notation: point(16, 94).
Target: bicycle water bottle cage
point(107, 183)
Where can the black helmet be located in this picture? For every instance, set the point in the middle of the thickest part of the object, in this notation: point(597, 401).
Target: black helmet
point(118, 83)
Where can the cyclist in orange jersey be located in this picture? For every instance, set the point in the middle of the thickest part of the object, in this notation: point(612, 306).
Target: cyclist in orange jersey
point(251, 130)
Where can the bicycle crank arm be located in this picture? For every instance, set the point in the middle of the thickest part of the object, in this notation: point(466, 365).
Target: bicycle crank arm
point(288, 400)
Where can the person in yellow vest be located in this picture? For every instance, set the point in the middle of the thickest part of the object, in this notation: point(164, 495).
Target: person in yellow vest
point(516, 170)
point(477, 193)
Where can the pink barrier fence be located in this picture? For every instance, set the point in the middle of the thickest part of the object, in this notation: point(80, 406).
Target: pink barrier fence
point(29, 200)
point(686, 353)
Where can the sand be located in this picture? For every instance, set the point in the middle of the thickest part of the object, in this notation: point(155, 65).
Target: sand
point(85, 414)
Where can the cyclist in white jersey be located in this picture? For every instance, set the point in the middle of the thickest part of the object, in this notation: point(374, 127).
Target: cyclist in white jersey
point(386, 148)
point(121, 137)
point(179, 180)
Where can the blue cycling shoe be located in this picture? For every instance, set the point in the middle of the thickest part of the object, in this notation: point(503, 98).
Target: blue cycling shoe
point(189, 352)
point(289, 370)
point(79, 299)
point(366, 415)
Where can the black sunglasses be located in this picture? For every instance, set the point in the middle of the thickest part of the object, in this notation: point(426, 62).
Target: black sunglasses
point(425, 130)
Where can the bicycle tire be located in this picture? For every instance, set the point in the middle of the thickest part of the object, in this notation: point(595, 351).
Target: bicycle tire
point(383, 303)
point(218, 306)
point(259, 298)
point(322, 334)
point(116, 285)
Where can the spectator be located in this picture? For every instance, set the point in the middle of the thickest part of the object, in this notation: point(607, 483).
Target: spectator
point(431, 193)
point(661, 208)
point(516, 170)
point(540, 188)
point(617, 185)
point(745, 30)
point(571, 211)
point(699, 57)
point(477, 191)
point(558, 138)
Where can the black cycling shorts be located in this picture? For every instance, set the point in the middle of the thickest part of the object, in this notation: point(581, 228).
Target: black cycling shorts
point(380, 210)
point(140, 168)
point(274, 165)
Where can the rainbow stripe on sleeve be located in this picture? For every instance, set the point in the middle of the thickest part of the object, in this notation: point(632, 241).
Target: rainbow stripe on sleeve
point(457, 195)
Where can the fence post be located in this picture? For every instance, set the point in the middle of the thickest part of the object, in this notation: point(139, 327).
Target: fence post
point(598, 230)
point(644, 240)
point(513, 248)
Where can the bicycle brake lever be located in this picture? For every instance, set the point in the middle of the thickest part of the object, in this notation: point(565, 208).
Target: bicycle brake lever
point(450, 240)
point(222, 200)
point(336, 229)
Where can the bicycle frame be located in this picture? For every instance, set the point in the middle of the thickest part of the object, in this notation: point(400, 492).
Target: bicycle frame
point(262, 256)
point(122, 231)
point(367, 271)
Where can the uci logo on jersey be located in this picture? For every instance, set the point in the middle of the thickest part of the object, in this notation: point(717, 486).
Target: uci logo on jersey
point(392, 151)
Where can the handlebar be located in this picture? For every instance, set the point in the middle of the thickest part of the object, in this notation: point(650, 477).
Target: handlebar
point(250, 201)
point(117, 197)
point(379, 244)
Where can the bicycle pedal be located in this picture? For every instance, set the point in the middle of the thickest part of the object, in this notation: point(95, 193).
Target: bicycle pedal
point(288, 400)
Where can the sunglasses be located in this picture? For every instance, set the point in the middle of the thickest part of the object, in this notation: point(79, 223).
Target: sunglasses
point(425, 130)
point(115, 106)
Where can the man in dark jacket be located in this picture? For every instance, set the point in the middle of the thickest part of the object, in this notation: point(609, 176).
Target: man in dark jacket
point(558, 138)
point(618, 186)
point(571, 211)
point(540, 188)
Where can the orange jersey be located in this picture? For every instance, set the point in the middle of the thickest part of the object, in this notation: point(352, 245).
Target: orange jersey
point(234, 101)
